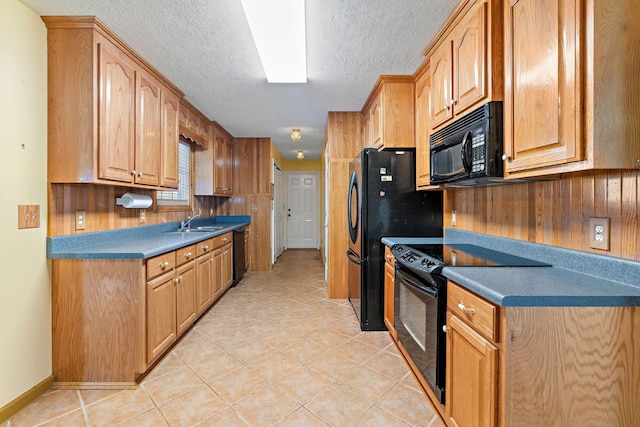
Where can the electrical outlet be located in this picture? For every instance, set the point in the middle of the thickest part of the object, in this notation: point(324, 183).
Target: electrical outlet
point(599, 233)
point(81, 220)
point(454, 217)
point(143, 218)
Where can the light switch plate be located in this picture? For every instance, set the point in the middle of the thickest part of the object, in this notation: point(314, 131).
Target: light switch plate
point(28, 216)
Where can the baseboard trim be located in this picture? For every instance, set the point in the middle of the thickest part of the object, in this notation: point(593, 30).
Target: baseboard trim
point(11, 408)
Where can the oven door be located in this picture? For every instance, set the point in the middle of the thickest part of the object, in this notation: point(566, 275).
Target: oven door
point(419, 317)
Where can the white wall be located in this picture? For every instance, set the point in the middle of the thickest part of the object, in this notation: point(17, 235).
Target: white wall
point(25, 290)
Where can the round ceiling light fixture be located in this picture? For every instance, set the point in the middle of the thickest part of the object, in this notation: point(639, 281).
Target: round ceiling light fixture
point(295, 135)
point(300, 155)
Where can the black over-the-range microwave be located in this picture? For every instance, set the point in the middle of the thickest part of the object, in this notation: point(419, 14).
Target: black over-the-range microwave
point(469, 151)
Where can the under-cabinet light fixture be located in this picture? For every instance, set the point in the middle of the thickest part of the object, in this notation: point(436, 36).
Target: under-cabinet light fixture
point(295, 135)
point(278, 30)
point(300, 155)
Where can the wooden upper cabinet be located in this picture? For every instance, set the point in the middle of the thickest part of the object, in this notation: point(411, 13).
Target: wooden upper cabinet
point(422, 127)
point(569, 69)
point(388, 114)
point(470, 59)
point(170, 108)
point(148, 141)
point(467, 62)
point(194, 126)
point(223, 167)
point(542, 86)
point(214, 165)
point(105, 109)
point(441, 91)
point(116, 113)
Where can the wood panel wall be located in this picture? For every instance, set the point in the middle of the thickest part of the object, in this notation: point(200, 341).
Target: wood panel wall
point(555, 212)
point(102, 214)
point(343, 141)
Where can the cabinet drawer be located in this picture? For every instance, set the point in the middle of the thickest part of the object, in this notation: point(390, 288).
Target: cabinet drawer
point(185, 254)
point(388, 256)
point(160, 264)
point(475, 311)
point(223, 239)
point(204, 247)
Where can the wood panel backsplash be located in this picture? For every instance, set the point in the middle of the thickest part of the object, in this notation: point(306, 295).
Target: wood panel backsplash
point(555, 212)
point(102, 214)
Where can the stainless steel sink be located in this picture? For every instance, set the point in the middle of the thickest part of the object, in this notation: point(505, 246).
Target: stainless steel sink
point(201, 229)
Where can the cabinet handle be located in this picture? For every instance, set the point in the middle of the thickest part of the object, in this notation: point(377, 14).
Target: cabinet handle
point(444, 328)
point(133, 172)
point(139, 174)
point(454, 102)
point(505, 157)
point(187, 254)
point(164, 265)
point(461, 306)
point(205, 248)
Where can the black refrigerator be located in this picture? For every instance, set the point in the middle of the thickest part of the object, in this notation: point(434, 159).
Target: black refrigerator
point(382, 202)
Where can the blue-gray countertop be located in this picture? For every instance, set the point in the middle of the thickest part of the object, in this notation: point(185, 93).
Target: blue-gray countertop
point(573, 278)
point(137, 242)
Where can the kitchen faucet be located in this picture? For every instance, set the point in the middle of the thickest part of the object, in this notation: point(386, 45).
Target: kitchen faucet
point(186, 224)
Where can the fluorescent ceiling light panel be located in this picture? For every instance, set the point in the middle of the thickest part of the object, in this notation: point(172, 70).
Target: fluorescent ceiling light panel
point(278, 29)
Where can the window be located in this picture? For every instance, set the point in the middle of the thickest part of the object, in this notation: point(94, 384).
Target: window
point(182, 196)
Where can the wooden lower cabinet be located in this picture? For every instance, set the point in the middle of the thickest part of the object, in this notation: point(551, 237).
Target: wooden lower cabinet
point(247, 250)
point(205, 277)
point(186, 289)
point(560, 366)
point(161, 315)
point(472, 360)
point(112, 319)
point(389, 292)
point(472, 376)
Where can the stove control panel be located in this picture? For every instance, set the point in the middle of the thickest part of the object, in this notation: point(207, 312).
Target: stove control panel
point(415, 259)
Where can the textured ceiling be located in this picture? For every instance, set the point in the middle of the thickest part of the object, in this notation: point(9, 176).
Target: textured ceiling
point(205, 48)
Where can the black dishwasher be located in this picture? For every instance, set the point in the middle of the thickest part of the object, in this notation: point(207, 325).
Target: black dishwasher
point(239, 264)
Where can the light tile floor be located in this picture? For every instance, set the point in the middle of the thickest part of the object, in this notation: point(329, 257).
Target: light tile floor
point(272, 351)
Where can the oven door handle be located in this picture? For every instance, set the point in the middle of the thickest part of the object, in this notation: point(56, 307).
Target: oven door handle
point(354, 258)
point(419, 286)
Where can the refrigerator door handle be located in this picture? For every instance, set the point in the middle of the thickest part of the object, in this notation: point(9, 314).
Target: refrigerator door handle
point(354, 258)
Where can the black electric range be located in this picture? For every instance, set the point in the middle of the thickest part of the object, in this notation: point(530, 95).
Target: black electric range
point(432, 258)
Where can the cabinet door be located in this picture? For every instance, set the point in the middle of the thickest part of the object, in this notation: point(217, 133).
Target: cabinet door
point(247, 252)
point(148, 131)
point(161, 315)
point(204, 279)
point(227, 265)
point(187, 310)
point(228, 167)
point(376, 123)
point(169, 141)
point(116, 114)
point(423, 154)
point(471, 378)
point(470, 59)
point(221, 164)
point(218, 273)
point(389, 282)
point(542, 99)
point(441, 95)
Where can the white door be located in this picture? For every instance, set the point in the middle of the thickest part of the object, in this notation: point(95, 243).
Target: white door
point(302, 210)
point(278, 202)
